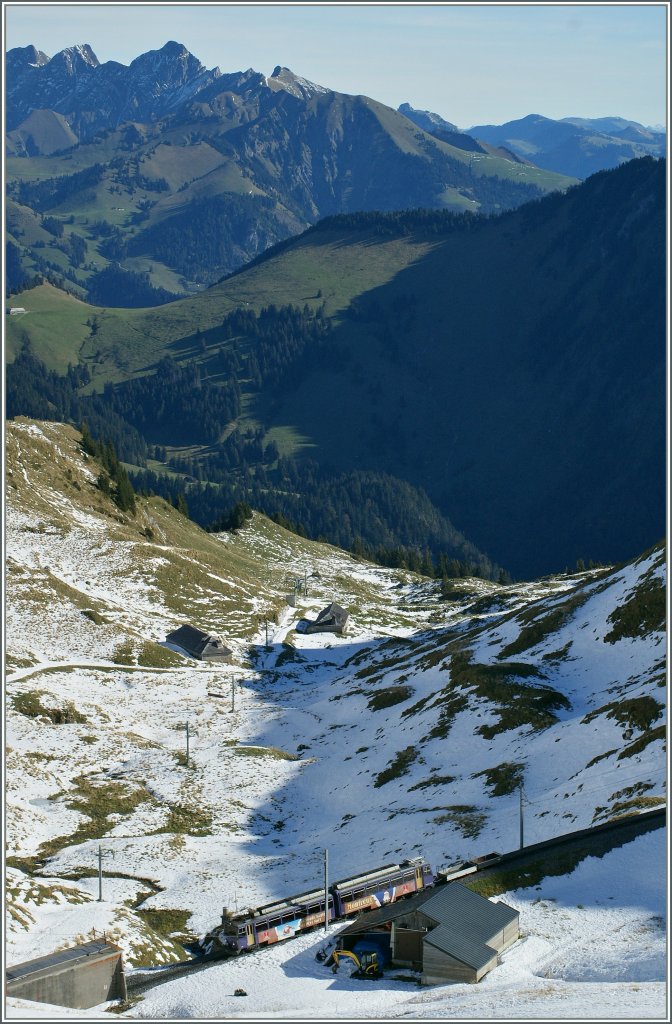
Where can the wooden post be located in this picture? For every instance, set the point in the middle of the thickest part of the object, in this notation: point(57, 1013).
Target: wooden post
point(101, 854)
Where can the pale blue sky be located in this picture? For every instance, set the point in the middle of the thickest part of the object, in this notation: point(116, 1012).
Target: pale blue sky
point(471, 63)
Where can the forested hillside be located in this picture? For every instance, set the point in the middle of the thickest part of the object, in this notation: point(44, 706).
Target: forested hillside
point(509, 369)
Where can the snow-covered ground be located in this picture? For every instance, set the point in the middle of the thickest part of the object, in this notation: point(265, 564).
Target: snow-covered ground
point(298, 747)
point(592, 948)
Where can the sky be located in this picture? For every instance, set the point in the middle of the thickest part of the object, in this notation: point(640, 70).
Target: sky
point(470, 63)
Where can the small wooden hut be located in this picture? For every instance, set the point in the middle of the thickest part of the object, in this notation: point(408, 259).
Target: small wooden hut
point(197, 644)
point(332, 619)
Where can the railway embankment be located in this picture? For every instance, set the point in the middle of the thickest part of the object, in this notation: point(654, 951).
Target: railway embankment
point(519, 869)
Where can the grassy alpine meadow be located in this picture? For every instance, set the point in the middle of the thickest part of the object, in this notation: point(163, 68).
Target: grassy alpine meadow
point(319, 269)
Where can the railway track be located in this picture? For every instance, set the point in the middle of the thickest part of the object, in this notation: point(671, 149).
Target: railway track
point(627, 828)
point(144, 979)
point(623, 829)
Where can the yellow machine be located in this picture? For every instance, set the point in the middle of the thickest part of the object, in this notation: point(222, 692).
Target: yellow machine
point(366, 966)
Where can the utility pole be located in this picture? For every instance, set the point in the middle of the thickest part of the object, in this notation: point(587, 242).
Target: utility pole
point(520, 791)
point(326, 891)
point(102, 853)
point(305, 583)
point(186, 727)
point(233, 694)
point(266, 634)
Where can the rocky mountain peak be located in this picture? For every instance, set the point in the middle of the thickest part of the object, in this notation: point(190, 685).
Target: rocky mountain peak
point(171, 56)
point(170, 70)
point(91, 95)
point(426, 119)
point(26, 56)
point(283, 78)
point(75, 59)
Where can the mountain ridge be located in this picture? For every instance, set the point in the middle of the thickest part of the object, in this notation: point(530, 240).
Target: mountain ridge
point(244, 159)
point(564, 364)
point(572, 145)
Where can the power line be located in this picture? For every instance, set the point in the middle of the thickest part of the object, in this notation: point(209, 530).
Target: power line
point(580, 788)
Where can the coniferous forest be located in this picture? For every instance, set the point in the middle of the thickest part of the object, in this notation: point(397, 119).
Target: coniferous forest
point(374, 515)
point(406, 391)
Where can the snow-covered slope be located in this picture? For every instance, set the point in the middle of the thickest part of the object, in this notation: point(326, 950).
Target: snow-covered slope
point(409, 734)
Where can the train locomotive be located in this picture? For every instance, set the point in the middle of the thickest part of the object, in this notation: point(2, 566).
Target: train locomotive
point(274, 922)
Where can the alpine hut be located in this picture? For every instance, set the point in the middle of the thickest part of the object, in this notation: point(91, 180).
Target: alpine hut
point(331, 619)
point(204, 646)
point(450, 935)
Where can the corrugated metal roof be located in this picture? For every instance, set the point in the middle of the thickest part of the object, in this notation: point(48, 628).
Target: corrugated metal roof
point(60, 958)
point(335, 610)
point(384, 869)
point(468, 951)
point(465, 921)
point(375, 918)
point(480, 918)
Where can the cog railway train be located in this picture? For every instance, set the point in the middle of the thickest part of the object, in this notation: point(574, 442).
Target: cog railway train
point(273, 922)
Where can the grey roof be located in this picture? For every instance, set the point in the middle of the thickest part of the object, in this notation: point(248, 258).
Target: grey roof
point(472, 917)
point(456, 905)
point(195, 641)
point(61, 958)
point(468, 951)
point(381, 915)
point(333, 610)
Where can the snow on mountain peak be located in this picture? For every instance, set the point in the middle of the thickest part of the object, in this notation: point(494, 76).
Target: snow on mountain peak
point(27, 56)
point(283, 78)
point(75, 57)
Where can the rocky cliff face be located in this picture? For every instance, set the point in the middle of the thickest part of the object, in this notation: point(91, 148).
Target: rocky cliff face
point(94, 96)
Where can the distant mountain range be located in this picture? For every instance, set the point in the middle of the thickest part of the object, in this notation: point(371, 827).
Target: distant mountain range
point(135, 184)
point(177, 174)
point(575, 146)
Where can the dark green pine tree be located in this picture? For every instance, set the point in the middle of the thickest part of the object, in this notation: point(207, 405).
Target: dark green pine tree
point(181, 504)
point(125, 495)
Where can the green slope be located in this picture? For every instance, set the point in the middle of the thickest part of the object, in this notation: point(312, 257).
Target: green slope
point(511, 367)
point(333, 262)
point(198, 194)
